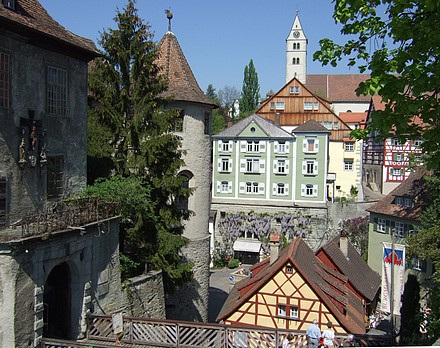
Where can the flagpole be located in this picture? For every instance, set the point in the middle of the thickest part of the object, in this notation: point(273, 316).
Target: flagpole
point(392, 286)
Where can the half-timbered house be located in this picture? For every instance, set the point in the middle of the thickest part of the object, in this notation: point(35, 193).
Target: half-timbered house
point(388, 162)
point(291, 289)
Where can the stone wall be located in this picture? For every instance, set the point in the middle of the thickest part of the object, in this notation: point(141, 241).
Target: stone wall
point(190, 302)
point(145, 296)
point(324, 219)
point(91, 257)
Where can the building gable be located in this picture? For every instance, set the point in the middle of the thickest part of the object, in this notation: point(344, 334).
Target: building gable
point(294, 104)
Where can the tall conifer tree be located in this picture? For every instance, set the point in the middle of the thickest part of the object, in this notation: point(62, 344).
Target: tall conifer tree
point(132, 118)
point(250, 95)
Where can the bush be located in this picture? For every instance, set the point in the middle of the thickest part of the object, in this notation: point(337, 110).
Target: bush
point(234, 263)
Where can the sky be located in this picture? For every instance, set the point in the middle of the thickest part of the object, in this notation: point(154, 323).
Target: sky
point(218, 38)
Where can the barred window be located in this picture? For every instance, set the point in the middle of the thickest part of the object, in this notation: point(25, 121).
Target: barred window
point(56, 91)
point(55, 177)
point(5, 87)
point(3, 201)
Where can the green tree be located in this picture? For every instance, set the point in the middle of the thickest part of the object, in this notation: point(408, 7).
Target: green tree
point(410, 312)
point(218, 122)
point(395, 41)
point(425, 244)
point(211, 93)
point(250, 94)
point(127, 86)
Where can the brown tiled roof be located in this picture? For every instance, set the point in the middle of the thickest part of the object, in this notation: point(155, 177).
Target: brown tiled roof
point(353, 117)
point(31, 20)
point(182, 84)
point(413, 187)
point(337, 88)
point(359, 274)
point(321, 278)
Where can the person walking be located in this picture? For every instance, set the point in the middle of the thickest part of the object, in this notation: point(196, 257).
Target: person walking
point(329, 336)
point(313, 334)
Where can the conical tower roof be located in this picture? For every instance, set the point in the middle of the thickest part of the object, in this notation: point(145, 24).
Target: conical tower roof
point(182, 85)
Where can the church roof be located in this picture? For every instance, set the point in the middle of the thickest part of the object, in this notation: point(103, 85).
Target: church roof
point(270, 128)
point(31, 20)
point(337, 87)
point(182, 85)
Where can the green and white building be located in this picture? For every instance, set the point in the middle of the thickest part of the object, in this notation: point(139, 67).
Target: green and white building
point(257, 162)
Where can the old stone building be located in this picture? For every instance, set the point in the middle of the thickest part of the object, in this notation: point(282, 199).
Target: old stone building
point(191, 301)
point(58, 258)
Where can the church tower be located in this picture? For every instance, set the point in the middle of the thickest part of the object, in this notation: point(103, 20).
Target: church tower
point(296, 52)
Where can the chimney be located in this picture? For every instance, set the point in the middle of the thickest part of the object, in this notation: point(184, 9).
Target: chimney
point(274, 246)
point(277, 119)
point(343, 243)
point(229, 124)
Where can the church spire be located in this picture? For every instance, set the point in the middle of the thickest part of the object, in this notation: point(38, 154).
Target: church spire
point(296, 52)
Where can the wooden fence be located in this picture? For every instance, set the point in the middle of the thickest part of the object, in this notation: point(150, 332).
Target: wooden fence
point(167, 333)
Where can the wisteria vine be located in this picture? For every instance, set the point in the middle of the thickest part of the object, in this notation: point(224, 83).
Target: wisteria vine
point(258, 226)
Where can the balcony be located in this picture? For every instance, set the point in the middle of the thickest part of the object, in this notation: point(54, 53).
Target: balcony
point(60, 217)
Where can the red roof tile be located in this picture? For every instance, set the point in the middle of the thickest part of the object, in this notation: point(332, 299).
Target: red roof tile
point(413, 187)
point(359, 274)
point(182, 84)
point(337, 88)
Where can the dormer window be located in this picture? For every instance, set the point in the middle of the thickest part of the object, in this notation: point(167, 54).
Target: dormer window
point(9, 4)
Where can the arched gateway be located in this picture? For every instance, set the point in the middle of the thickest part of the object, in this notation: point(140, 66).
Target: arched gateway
point(56, 298)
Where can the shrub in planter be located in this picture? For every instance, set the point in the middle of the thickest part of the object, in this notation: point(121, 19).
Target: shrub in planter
point(234, 263)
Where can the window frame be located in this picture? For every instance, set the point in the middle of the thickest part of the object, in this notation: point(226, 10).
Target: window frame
point(381, 225)
point(55, 188)
point(348, 165)
point(57, 92)
point(308, 106)
point(10, 4)
point(280, 106)
point(5, 80)
point(3, 200)
point(349, 146)
point(399, 229)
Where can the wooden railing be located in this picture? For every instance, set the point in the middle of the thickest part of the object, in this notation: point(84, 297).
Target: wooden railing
point(167, 333)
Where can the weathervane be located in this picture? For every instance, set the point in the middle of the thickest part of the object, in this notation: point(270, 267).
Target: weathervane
point(170, 17)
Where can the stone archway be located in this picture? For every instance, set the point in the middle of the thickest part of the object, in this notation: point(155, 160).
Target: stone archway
point(56, 300)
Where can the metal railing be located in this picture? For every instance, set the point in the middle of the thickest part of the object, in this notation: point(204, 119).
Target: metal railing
point(72, 213)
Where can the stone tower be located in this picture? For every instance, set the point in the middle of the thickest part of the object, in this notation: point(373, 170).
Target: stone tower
point(191, 301)
point(296, 52)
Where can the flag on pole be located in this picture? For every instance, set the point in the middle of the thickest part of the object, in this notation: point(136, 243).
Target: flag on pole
point(398, 261)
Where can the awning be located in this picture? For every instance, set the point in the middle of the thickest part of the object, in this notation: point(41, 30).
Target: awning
point(249, 245)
